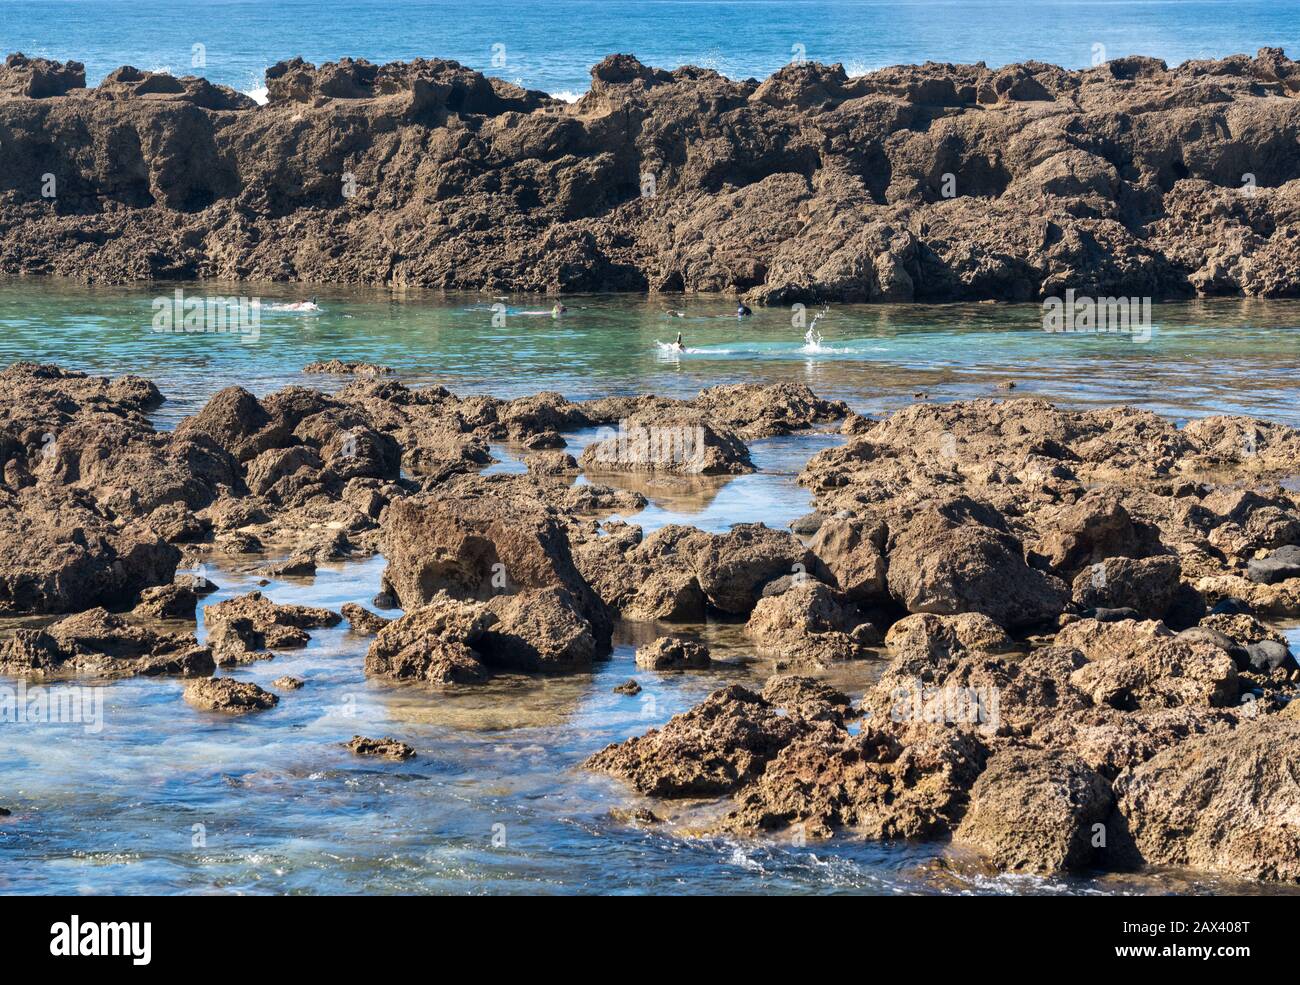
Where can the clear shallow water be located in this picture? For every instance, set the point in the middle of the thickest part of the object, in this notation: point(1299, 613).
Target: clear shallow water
point(283, 808)
point(552, 44)
point(167, 799)
point(1223, 356)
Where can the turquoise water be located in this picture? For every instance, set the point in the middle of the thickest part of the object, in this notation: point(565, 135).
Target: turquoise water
point(165, 799)
point(552, 44)
point(1222, 356)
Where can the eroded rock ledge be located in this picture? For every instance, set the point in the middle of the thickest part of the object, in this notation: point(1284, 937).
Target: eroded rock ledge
point(931, 183)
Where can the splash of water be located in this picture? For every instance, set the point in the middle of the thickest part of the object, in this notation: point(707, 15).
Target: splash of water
point(812, 339)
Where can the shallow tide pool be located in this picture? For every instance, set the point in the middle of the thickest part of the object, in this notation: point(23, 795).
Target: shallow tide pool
point(161, 798)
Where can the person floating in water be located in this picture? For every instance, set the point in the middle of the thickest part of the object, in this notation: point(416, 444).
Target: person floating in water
point(742, 311)
point(298, 306)
point(558, 310)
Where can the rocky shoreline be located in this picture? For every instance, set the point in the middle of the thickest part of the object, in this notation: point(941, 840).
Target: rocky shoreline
point(1074, 611)
point(916, 183)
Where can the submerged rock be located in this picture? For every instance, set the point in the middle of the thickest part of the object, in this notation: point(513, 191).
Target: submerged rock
point(638, 815)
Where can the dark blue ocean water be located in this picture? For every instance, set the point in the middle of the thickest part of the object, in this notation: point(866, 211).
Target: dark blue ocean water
point(552, 44)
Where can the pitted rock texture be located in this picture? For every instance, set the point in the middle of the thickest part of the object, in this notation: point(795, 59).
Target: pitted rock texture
point(936, 182)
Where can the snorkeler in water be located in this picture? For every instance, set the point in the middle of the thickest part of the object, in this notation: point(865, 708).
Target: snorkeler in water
point(558, 310)
point(298, 306)
point(742, 311)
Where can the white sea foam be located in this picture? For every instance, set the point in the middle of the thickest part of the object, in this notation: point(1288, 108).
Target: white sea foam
point(812, 339)
point(258, 94)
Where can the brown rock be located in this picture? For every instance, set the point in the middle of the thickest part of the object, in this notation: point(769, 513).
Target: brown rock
point(98, 642)
point(670, 441)
point(363, 621)
point(433, 644)
point(552, 463)
point(956, 559)
point(539, 630)
point(1047, 180)
point(254, 622)
point(807, 698)
point(175, 601)
point(1034, 810)
point(871, 782)
point(672, 653)
point(386, 748)
point(338, 367)
point(1148, 586)
point(477, 548)
point(230, 696)
point(807, 625)
point(853, 552)
point(712, 749)
point(1165, 674)
point(929, 637)
point(731, 568)
point(1219, 804)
